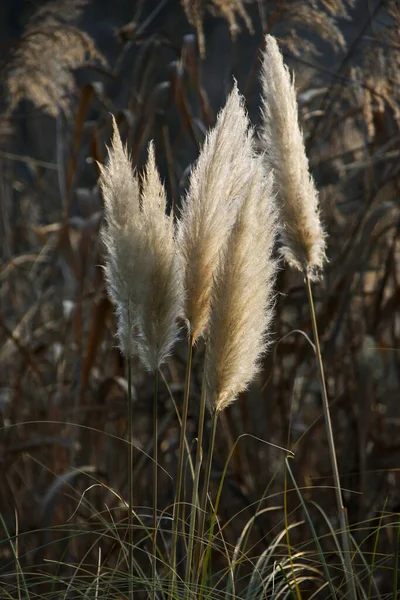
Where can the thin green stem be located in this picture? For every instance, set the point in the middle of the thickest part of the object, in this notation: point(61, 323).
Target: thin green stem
point(203, 507)
point(155, 479)
point(287, 534)
point(396, 562)
point(130, 480)
point(192, 525)
point(195, 493)
point(190, 461)
point(176, 509)
point(371, 579)
point(351, 590)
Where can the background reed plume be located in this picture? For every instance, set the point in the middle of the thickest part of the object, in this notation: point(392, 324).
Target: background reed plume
point(216, 186)
point(42, 64)
point(142, 269)
point(303, 239)
point(229, 10)
point(242, 294)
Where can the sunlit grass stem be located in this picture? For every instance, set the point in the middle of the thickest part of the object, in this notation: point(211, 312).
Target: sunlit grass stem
point(287, 535)
point(203, 505)
point(396, 560)
point(177, 509)
point(155, 480)
point(192, 526)
point(130, 480)
point(195, 494)
point(351, 591)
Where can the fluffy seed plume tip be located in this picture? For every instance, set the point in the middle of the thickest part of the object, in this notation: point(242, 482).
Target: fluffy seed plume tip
point(302, 235)
point(119, 184)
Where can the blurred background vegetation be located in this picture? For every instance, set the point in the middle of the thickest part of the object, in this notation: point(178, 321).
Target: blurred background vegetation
point(164, 68)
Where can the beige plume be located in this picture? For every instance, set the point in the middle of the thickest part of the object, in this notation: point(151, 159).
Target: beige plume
point(142, 269)
point(241, 305)
point(302, 234)
point(163, 305)
point(217, 183)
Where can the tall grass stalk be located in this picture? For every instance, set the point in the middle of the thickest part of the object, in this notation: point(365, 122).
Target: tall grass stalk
point(177, 509)
point(204, 498)
point(287, 534)
point(192, 527)
point(155, 479)
point(130, 480)
point(195, 506)
point(396, 561)
point(350, 583)
point(180, 424)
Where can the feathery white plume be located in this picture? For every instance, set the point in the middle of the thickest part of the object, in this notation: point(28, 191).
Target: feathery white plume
point(302, 234)
point(142, 269)
point(209, 210)
point(241, 304)
point(163, 305)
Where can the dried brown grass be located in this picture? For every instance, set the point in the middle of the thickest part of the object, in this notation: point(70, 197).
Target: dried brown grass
point(230, 10)
point(41, 66)
point(321, 17)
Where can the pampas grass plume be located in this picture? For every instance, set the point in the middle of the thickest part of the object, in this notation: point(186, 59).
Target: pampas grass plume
point(217, 183)
point(241, 304)
point(122, 238)
point(142, 268)
point(303, 238)
point(163, 305)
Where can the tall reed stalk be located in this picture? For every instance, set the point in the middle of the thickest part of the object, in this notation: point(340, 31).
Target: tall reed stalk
point(144, 281)
point(302, 235)
point(155, 478)
point(342, 513)
point(240, 316)
point(204, 501)
point(130, 480)
point(179, 478)
point(218, 183)
point(195, 504)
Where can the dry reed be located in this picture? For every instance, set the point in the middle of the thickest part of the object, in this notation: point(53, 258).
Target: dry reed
point(230, 10)
point(303, 238)
point(41, 68)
